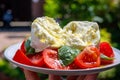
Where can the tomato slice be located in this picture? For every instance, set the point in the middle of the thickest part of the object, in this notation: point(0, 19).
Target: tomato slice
point(22, 58)
point(106, 50)
point(36, 59)
point(22, 47)
point(71, 66)
point(105, 62)
point(88, 58)
point(51, 59)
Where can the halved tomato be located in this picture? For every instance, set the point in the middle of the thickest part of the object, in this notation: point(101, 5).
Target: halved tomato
point(22, 58)
point(36, 59)
point(51, 59)
point(106, 49)
point(32, 59)
point(88, 58)
point(106, 52)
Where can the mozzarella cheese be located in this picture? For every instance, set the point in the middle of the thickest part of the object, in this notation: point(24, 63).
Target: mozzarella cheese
point(80, 34)
point(46, 32)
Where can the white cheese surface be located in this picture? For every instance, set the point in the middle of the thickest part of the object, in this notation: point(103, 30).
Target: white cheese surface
point(46, 32)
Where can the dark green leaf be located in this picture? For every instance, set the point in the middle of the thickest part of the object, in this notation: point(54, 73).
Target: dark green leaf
point(67, 54)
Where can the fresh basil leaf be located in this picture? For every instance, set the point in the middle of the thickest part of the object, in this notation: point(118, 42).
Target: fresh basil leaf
point(102, 56)
point(29, 49)
point(67, 54)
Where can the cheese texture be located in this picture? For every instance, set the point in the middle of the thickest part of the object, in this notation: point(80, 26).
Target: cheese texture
point(46, 32)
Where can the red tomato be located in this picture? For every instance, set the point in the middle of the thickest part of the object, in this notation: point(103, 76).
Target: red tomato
point(36, 59)
point(22, 58)
point(51, 59)
point(106, 49)
point(104, 62)
point(22, 47)
point(88, 58)
point(71, 66)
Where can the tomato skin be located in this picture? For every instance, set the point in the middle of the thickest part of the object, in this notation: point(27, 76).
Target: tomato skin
point(22, 58)
point(105, 62)
point(106, 49)
point(22, 47)
point(51, 59)
point(71, 66)
point(36, 59)
point(32, 60)
point(88, 58)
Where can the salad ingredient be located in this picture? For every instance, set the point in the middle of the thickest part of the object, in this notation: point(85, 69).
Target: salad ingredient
point(88, 58)
point(46, 32)
point(106, 60)
point(36, 59)
point(71, 66)
point(102, 56)
point(107, 54)
point(80, 34)
point(28, 48)
point(106, 49)
point(22, 58)
point(32, 59)
point(51, 59)
point(67, 55)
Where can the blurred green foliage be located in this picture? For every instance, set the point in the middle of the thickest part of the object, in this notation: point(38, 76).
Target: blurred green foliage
point(105, 35)
point(10, 71)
